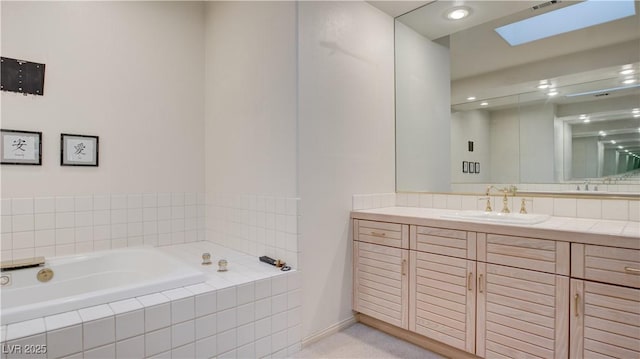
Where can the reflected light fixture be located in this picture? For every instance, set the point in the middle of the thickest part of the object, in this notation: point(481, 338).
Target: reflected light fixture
point(635, 110)
point(629, 81)
point(484, 104)
point(552, 92)
point(613, 142)
point(458, 13)
point(620, 147)
point(626, 72)
point(543, 85)
point(627, 151)
point(636, 115)
point(471, 98)
point(586, 120)
point(603, 134)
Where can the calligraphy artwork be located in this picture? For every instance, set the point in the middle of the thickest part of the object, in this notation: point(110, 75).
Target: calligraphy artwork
point(78, 150)
point(21, 147)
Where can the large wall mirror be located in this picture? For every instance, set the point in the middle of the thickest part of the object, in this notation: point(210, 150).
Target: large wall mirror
point(542, 95)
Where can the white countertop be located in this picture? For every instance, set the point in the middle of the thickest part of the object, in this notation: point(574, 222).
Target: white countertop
point(596, 231)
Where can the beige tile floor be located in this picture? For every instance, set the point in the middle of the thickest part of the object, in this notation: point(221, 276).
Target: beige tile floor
point(361, 341)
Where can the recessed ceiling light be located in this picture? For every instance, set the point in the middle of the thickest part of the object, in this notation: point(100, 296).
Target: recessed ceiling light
point(552, 93)
point(613, 142)
point(484, 104)
point(458, 13)
point(603, 134)
point(626, 72)
point(586, 120)
point(627, 151)
point(628, 81)
point(620, 147)
point(471, 98)
point(583, 116)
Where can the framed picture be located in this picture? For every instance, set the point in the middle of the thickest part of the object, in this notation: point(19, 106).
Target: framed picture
point(477, 167)
point(21, 147)
point(465, 167)
point(78, 150)
point(472, 167)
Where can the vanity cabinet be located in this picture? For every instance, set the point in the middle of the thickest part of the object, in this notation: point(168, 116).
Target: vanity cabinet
point(605, 305)
point(498, 295)
point(380, 281)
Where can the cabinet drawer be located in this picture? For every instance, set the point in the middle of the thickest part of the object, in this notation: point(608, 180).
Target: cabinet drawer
point(606, 264)
point(524, 252)
point(383, 233)
point(448, 242)
point(381, 282)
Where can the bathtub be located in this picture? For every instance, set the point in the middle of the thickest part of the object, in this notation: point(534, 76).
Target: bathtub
point(90, 279)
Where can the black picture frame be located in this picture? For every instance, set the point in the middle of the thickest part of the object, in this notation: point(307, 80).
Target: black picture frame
point(465, 167)
point(472, 167)
point(79, 150)
point(27, 151)
point(477, 167)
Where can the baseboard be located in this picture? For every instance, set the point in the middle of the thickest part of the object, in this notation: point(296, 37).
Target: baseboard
point(414, 338)
point(331, 330)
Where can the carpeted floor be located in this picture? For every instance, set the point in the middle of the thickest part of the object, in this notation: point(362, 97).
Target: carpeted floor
point(361, 341)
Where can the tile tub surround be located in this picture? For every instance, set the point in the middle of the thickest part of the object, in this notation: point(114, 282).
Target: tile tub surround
point(605, 209)
point(255, 224)
point(252, 311)
point(55, 226)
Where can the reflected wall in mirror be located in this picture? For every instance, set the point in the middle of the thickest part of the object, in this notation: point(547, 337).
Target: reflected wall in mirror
point(563, 109)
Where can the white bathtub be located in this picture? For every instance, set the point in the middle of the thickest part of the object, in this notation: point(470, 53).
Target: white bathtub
point(90, 279)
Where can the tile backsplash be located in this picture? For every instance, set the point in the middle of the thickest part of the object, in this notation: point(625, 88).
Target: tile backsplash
point(608, 209)
point(255, 224)
point(54, 226)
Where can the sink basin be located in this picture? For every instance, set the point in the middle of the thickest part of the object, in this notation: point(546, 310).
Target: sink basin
point(498, 217)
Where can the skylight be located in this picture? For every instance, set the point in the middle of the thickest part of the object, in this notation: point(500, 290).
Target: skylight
point(570, 18)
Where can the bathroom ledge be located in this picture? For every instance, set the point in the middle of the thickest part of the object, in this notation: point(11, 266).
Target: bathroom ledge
point(625, 234)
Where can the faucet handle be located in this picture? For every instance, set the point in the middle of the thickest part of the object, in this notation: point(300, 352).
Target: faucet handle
point(523, 205)
point(488, 205)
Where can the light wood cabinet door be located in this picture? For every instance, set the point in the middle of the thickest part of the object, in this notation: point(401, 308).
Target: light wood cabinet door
point(605, 321)
point(381, 282)
point(521, 313)
point(442, 302)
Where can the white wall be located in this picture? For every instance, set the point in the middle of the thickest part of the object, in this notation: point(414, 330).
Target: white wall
point(470, 126)
point(585, 157)
point(250, 126)
point(129, 72)
point(423, 112)
point(536, 143)
point(346, 142)
point(251, 97)
point(505, 146)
